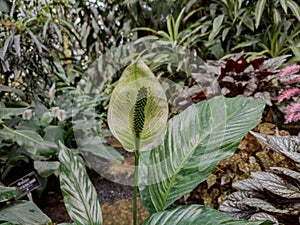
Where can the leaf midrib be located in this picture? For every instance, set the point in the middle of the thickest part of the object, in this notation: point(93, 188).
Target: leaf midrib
point(81, 195)
point(188, 156)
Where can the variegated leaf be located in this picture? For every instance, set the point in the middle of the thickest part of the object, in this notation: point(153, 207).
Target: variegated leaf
point(80, 196)
point(277, 185)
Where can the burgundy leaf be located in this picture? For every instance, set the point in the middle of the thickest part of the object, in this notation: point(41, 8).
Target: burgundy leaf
point(257, 62)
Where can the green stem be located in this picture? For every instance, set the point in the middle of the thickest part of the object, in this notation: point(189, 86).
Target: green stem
point(136, 179)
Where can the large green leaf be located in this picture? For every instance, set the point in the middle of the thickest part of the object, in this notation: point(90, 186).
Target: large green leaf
point(196, 140)
point(80, 196)
point(138, 109)
point(7, 193)
point(196, 215)
point(23, 212)
point(32, 142)
point(7, 113)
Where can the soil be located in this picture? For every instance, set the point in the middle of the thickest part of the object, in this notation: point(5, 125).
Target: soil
point(115, 200)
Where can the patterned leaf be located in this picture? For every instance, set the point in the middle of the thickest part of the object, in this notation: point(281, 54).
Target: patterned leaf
point(288, 146)
point(80, 196)
point(196, 140)
point(196, 215)
point(247, 185)
point(277, 185)
point(262, 204)
point(264, 216)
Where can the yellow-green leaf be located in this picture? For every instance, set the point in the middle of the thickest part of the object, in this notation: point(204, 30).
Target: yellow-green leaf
point(138, 109)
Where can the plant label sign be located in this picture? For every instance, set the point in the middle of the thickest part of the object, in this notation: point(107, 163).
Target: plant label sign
point(26, 184)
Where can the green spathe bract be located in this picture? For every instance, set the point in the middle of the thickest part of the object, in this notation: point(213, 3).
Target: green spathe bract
point(138, 109)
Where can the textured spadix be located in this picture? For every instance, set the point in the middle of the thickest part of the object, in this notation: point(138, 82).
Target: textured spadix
point(138, 109)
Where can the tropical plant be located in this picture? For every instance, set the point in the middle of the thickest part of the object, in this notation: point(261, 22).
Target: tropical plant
point(231, 77)
point(272, 195)
point(19, 212)
point(194, 142)
point(194, 151)
point(238, 25)
point(292, 110)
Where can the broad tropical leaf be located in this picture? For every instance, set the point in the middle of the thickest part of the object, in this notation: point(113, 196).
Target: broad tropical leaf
point(31, 141)
point(138, 108)
point(196, 215)
point(7, 193)
point(80, 196)
point(196, 140)
point(23, 212)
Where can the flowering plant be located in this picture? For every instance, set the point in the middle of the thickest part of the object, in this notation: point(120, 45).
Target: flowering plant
point(292, 110)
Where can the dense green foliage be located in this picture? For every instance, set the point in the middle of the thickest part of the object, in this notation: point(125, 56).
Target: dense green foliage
point(61, 59)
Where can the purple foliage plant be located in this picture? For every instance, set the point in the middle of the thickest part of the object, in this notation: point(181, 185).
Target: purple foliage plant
point(291, 75)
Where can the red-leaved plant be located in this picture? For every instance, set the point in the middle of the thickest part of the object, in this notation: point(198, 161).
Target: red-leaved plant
point(292, 110)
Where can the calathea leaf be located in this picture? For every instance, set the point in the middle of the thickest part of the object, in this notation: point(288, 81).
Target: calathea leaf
point(138, 108)
point(196, 140)
point(196, 215)
point(80, 196)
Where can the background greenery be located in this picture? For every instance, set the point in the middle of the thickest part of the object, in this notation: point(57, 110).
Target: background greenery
point(51, 52)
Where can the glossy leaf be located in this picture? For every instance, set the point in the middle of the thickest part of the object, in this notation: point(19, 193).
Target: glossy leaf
point(288, 146)
point(196, 140)
point(259, 9)
point(138, 108)
point(24, 212)
point(196, 215)
point(80, 196)
point(7, 193)
point(277, 184)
